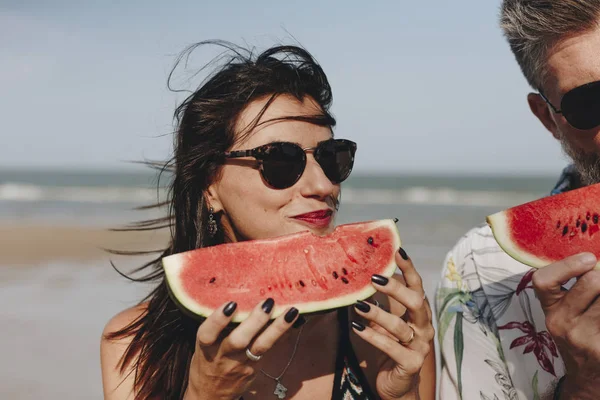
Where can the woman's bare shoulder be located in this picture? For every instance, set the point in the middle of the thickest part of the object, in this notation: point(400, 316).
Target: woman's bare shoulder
point(123, 319)
point(118, 383)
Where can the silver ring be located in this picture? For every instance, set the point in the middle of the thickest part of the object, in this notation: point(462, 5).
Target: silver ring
point(412, 336)
point(251, 356)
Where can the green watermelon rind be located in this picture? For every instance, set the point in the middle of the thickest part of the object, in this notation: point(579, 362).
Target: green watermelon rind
point(172, 265)
point(498, 222)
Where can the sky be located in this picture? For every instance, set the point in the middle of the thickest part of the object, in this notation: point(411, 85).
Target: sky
point(422, 87)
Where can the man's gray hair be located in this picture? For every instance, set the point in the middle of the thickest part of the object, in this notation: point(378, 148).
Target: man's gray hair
point(532, 27)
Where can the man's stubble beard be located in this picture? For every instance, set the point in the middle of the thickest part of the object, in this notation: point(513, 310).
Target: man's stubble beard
point(587, 164)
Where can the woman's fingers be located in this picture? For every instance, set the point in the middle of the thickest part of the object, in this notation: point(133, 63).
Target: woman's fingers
point(410, 298)
point(410, 274)
point(240, 337)
point(274, 332)
point(211, 328)
point(410, 361)
point(391, 323)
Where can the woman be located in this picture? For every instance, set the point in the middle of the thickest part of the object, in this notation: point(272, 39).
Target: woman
point(277, 105)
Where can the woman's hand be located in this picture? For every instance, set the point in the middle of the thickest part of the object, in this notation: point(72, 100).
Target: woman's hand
point(220, 368)
point(405, 340)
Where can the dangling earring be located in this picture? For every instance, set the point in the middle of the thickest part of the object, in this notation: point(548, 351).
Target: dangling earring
point(212, 224)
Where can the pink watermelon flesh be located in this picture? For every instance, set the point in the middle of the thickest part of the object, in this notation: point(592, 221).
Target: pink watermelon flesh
point(552, 228)
point(302, 270)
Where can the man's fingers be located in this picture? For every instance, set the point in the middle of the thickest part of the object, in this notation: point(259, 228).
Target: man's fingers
point(547, 281)
point(582, 294)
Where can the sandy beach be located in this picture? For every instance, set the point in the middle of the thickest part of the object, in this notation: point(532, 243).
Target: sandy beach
point(58, 291)
point(23, 244)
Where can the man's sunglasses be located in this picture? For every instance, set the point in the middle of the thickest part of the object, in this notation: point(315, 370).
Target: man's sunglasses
point(281, 164)
point(580, 106)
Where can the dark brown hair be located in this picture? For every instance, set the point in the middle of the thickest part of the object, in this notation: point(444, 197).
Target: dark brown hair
point(163, 338)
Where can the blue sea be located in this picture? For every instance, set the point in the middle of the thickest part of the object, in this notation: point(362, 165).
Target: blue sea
point(433, 210)
point(68, 196)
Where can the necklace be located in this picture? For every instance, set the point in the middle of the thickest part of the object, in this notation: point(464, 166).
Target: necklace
point(280, 390)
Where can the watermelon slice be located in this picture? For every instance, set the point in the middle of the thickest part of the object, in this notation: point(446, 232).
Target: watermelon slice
point(543, 231)
point(312, 273)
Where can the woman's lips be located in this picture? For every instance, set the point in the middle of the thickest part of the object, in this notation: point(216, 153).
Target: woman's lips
point(321, 218)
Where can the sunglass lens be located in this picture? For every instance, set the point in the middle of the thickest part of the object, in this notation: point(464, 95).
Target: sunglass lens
point(581, 106)
point(282, 164)
point(336, 158)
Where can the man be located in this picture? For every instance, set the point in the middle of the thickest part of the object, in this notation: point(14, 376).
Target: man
point(507, 331)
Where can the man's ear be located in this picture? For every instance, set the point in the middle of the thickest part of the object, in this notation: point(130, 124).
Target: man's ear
point(541, 110)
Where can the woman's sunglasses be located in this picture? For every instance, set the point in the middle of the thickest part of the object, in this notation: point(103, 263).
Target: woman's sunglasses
point(283, 163)
point(580, 106)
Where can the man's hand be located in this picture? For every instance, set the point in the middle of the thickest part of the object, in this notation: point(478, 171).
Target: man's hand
point(573, 321)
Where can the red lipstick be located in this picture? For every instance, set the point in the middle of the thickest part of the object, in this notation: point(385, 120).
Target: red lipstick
point(319, 219)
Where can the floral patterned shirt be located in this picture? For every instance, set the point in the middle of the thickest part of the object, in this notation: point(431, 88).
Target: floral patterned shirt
point(491, 329)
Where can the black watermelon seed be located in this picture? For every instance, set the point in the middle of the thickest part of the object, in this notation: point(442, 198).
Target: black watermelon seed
point(565, 230)
point(344, 279)
point(212, 280)
point(345, 271)
point(578, 223)
point(302, 284)
point(595, 218)
point(370, 240)
point(588, 216)
point(583, 227)
point(335, 274)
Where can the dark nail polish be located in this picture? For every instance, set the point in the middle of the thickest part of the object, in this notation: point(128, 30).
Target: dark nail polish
point(268, 305)
point(358, 326)
point(380, 280)
point(229, 308)
point(403, 253)
point(299, 322)
point(290, 315)
point(362, 306)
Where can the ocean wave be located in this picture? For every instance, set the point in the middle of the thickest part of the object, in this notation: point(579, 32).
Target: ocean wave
point(413, 195)
point(111, 194)
point(436, 196)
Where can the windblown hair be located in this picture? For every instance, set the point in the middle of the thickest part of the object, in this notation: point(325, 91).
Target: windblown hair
point(532, 27)
point(163, 338)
